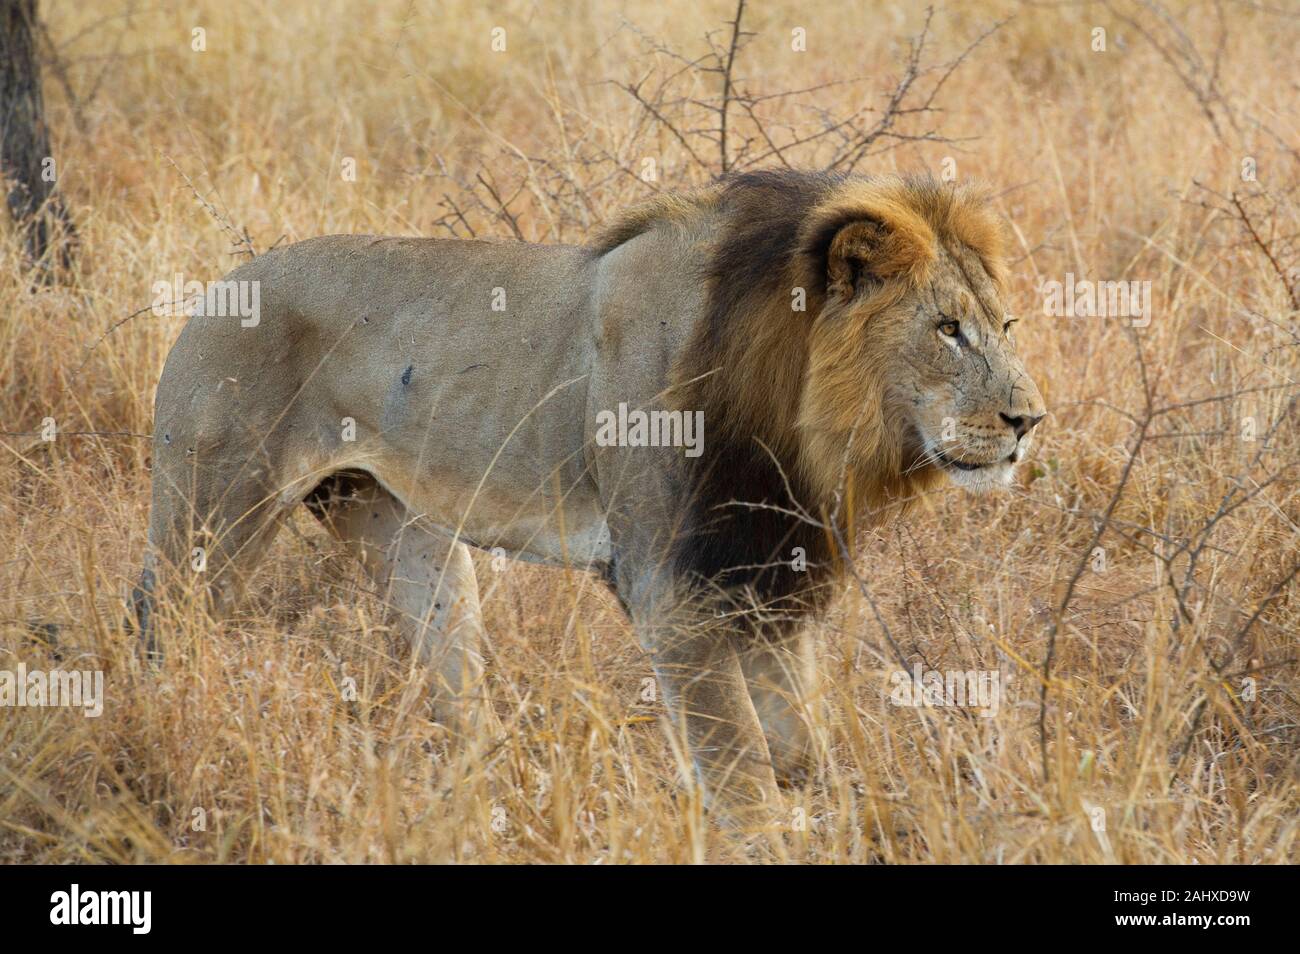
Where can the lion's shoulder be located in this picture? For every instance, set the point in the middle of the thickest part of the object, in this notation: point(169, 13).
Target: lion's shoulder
point(666, 208)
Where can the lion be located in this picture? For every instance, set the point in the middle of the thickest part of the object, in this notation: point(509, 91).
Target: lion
point(843, 342)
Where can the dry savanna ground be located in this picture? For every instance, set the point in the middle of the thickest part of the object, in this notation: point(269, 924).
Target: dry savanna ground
point(1135, 590)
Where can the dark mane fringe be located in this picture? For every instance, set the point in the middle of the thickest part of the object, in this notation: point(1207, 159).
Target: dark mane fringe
point(760, 246)
point(742, 530)
point(764, 481)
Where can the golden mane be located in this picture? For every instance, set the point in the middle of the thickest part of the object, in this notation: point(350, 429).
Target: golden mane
point(751, 362)
point(781, 364)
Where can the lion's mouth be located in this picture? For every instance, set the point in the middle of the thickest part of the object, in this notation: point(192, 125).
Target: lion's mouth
point(955, 464)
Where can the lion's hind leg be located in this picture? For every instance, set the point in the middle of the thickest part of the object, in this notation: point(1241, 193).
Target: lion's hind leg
point(427, 580)
point(209, 527)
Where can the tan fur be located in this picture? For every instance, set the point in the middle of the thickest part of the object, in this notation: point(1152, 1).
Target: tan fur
point(667, 208)
point(472, 375)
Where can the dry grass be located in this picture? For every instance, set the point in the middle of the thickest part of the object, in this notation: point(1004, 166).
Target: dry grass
point(1095, 156)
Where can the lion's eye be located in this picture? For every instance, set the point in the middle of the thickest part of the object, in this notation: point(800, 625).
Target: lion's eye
point(950, 328)
point(1007, 327)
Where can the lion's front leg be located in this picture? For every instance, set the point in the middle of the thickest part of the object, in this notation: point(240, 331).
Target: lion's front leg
point(779, 675)
point(694, 641)
point(708, 700)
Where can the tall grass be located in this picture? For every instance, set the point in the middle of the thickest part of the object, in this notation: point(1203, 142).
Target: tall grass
point(1168, 731)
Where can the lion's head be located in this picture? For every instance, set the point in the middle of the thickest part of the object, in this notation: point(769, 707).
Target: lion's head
point(851, 347)
point(912, 370)
point(857, 327)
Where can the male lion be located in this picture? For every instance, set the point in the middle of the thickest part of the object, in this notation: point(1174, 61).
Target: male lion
point(844, 337)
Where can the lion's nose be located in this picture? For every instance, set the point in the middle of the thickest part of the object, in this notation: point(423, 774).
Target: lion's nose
point(1023, 424)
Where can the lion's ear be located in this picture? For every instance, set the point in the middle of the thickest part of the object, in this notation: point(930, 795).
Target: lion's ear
point(868, 251)
point(853, 258)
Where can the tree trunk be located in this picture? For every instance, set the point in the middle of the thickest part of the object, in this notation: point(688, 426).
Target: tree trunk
point(25, 161)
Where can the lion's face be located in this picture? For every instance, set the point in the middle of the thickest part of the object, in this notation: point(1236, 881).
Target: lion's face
point(911, 372)
point(954, 382)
